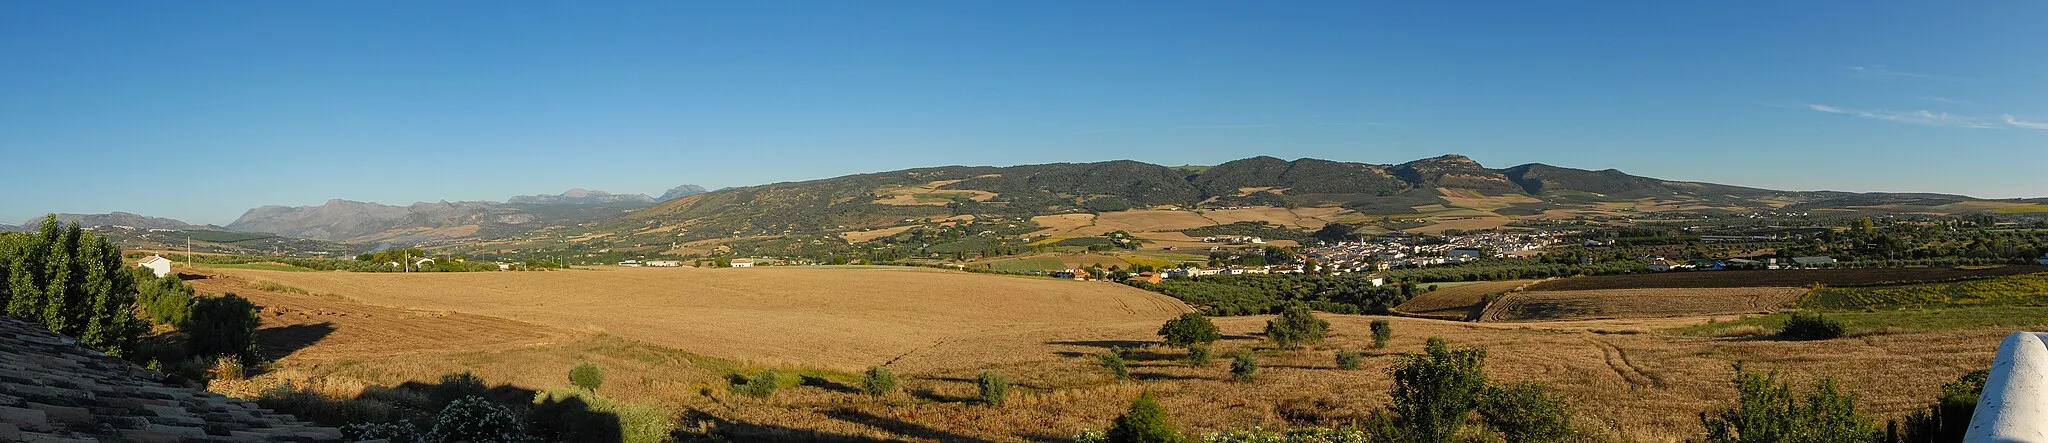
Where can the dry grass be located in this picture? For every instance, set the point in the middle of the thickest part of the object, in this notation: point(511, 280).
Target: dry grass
point(1457, 302)
point(927, 194)
point(869, 235)
point(1648, 385)
point(846, 318)
point(1625, 303)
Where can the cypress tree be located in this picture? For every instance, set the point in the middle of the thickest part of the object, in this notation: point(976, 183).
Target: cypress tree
point(112, 325)
point(60, 293)
point(7, 253)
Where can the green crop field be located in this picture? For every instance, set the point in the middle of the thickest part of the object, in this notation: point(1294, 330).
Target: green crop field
point(2023, 209)
point(2025, 289)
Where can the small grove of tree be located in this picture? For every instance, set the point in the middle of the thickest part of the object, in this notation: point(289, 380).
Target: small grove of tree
point(1948, 418)
point(1297, 325)
point(1113, 360)
point(1811, 326)
point(587, 375)
point(1769, 412)
point(71, 282)
point(878, 381)
point(994, 388)
point(1188, 330)
point(224, 325)
point(1243, 366)
point(1145, 423)
point(1198, 355)
point(1382, 332)
point(1349, 360)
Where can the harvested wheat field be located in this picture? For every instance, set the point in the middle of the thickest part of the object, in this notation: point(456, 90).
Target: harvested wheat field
point(1457, 302)
point(845, 318)
point(299, 326)
point(1627, 303)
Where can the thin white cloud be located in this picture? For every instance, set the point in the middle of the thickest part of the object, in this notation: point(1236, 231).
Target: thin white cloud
point(2025, 124)
point(1944, 100)
point(1919, 117)
point(1880, 71)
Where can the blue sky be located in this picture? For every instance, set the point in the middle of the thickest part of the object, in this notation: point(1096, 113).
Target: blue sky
point(200, 110)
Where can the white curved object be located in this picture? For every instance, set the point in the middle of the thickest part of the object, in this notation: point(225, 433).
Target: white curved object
point(2014, 406)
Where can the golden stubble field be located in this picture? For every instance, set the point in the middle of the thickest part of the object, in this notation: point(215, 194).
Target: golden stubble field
point(1629, 379)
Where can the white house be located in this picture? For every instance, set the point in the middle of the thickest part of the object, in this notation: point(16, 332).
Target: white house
point(742, 262)
point(664, 263)
point(156, 264)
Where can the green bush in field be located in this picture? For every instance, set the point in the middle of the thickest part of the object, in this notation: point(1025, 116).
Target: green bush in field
point(878, 381)
point(1767, 411)
point(224, 325)
point(994, 388)
point(761, 385)
point(1198, 355)
point(1382, 331)
point(1113, 360)
point(1243, 366)
point(1188, 330)
point(1811, 326)
point(1297, 325)
point(1144, 423)
point(587, 376)
point(1526, 412)
point(1436, 391)
point(1349, 360)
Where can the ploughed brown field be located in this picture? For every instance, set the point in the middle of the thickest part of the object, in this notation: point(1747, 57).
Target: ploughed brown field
point(668, 338)
point(1782, 278)
point(1457, 302)
point(1637, 303)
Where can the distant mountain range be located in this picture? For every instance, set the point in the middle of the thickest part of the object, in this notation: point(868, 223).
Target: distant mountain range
point(353, 221)
point(120, 219)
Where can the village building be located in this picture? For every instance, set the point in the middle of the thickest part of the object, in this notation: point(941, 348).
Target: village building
point(742, 262)
point(156, 265)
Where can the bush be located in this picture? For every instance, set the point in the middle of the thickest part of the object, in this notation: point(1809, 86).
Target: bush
point(878, 381)
point(1805, 326)
point(1243, 365)
point(1436, 391)
point(1382, 331)
point(224, 325)
point(1190, 329)
point(321, 409)
point(1526, 412)
point(167, 301)
point(1768, 412)
point(1113, 360)
point(1949, 416)
point(760, 385)
point(454, 387)
point(227, 367)
point(397, 431)
point(994, 388)
point(475, 419)
point(1144, 423)
point(569, 418)
point(1296, 325)
point(1198, 355)
point(587, 376)
point(1348, 360)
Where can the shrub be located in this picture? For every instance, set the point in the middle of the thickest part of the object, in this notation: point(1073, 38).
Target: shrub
point(454, 387)
point(1526, 412)
point(167, 301)
point(878, 381)
point(1382, 331)
point(1243, 365)
point(569, 418)
point(475, 419)
point(1198, 355)
point(994, 388)
point(587, 376)
point(1113, 360)
point(1949, 416)
point(1768, 412)
point(397, 431)
point(227, 367)
point(1436, 391)
point(1190, 329)
point(321, 409)
point(760, 385)
point(1348, 360)
point(1295, 326)
point(1144, 423)
point(1805, 326)
point(224, 325)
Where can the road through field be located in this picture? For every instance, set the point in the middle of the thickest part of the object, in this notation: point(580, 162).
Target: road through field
point(822, 316)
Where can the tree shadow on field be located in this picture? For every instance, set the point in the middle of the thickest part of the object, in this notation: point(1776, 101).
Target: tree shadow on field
point(899, 427)
point(829, 385)
point(281, 341)
point(717, 428)
point(1105, 344)
point(1157, 376)
point(932, 395)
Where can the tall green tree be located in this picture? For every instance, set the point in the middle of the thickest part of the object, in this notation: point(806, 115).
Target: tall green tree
point(62, 292)
point(28, 277)
point(111, 325)
point(1436, 391)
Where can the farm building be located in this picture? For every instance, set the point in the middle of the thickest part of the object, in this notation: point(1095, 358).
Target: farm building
point(664, 264)
point(742, 262)
point(156, 264)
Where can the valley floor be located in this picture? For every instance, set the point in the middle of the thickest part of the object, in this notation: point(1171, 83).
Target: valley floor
point(669, 340)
